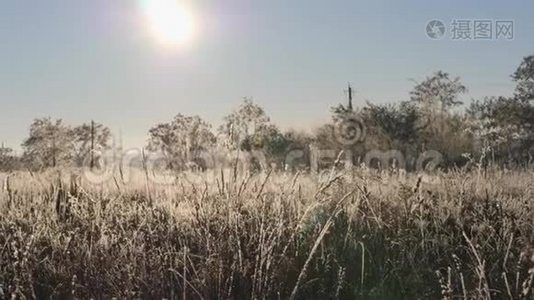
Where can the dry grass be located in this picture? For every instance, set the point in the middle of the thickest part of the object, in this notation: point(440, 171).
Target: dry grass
point(271, 235)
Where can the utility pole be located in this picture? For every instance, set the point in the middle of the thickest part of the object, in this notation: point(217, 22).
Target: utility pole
point(92, 144)
point(351, 93)
point(120, 142)
point(53, 150)
point(114, 147)
point(348, 151)
point(121, 153)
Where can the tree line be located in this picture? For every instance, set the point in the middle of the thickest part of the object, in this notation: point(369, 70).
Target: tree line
point(498, 130)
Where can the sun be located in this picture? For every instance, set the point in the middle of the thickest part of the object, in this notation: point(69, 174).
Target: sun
point(170, 21)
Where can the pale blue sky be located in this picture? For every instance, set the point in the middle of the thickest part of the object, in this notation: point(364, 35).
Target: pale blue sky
point(81, 60)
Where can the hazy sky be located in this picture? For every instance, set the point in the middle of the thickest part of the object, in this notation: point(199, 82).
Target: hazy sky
point(96, 59)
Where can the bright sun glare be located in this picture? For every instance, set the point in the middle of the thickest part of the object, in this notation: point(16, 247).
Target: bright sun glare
point(170, 21)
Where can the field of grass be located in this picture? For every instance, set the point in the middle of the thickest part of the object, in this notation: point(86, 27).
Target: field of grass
point(347, 235)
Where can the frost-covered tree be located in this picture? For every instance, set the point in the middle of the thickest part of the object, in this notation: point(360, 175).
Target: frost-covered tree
point(182, 140)
point(86, 136)
point(248, 126)
point(438, 93)
point(50, 144)
point(8, 160)
point(524, 77)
